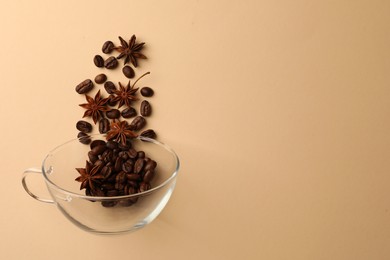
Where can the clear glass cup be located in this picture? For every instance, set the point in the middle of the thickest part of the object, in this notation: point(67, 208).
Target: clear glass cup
point(86, 212)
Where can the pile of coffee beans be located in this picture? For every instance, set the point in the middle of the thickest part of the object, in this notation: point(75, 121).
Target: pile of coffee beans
point(118, 169)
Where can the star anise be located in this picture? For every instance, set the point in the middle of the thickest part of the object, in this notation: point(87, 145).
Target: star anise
point(89, 176)
point(95, 107)
point(120, 131)
point(131, 50)
point(125, 94)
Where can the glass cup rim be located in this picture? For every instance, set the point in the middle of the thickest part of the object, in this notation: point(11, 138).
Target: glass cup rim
point(105, 198)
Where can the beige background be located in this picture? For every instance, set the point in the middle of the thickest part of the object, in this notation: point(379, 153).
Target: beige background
point(279, 111)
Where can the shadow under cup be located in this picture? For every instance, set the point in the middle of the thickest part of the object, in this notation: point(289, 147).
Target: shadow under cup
point(88, 212)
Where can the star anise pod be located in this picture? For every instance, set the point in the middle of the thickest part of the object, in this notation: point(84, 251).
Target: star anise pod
point(95, 107)
point(126, 94)
point(89, 176)
point(120, 131)
point(131, 50)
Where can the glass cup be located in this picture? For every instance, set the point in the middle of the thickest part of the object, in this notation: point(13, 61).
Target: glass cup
point(91, 213)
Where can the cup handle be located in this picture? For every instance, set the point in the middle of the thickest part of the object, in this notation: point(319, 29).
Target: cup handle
point(24, 183)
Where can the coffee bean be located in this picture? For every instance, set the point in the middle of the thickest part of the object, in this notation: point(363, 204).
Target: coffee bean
point(149, 133)
point(118, 164)
point(124, 155)
point(144, 186)
point(111, 63)
point(132, 153)
point(150, 165)
point(99, 163)
point(104, 125)
point(97, 150)
point(148, 176)
point(112, 192)
point(108, 47)
point(97, 143)
point(146, 108)
point(128, 71)
point(110, 87)
point(133, 177)
point(113, 114)
point(109, 203)
point(140, 154)
point(84, 138)
point(112, 145)
point(127, 166)
point(139, 165)
point(121, 177)
point(124, 147)
point(138, 123)
point(101, 78)
point(92, 158)
point(105, 172)
point(147, 92)
point(107, 156)
point(84, 126)
point(84, 87)
point(129, 112)
point(99, 61)
point(127, 202)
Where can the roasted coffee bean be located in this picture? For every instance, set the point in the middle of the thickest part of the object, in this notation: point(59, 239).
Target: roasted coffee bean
point(111, 63)
point(118, 164)
point(124, 155)
point(97, 143)
point(97, 150)
point(112, 145)
point(144, 186)
point(146, 108)
point(139, 165)
point(125, 147)
point(108, 186)
point(109, 203)
point(121, 177)
point(127, 166)
point(100, 78)
point(132, 153)
point(92, 158)
point(150, 165)
point(84, 138)
point(108, 47)
point(84, 87)
point(104, 125)
point(112, 192)
point(129, 112)
point(99, 61)
point(134, 184)
point(99, 163)
point(148, 176)
point(113, 114)
point(133, 177)
point(140, 154)
point(128, 72)
point(149, 133)
point(84, 126)
point(110, 87)
point(147, 92)
point(138, 123)
point(111, 100)
point(107, 156)
point(105, 172)
point(127, 202)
